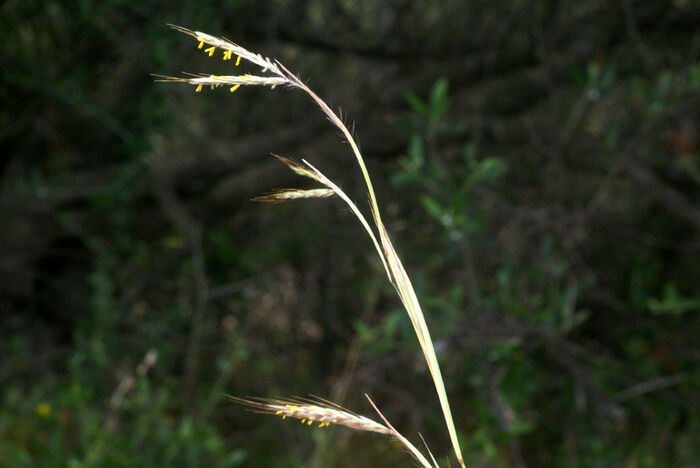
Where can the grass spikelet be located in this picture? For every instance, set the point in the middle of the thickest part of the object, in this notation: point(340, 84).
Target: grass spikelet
point(220, 43)
point(326, 413)
point(311, 411)
point(300, 169)
point(230, 80)
point(293, 194)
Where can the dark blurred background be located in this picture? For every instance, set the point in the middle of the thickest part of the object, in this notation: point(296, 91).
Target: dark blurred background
point(538, 164)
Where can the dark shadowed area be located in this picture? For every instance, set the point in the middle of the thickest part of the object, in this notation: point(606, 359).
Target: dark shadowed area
point(537, 164)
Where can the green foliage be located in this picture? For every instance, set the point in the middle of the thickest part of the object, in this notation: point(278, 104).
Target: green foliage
point(445, 194)
point(512, 378)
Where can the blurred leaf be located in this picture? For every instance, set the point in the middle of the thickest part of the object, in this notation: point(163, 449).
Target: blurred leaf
point(416, 103)
point(673, 303)
point(416, 153)
point(392, 321)
point(487, 170)
point(432, 207)
point(439, 101)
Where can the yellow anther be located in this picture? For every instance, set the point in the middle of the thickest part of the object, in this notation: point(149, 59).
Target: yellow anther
point(227, 54)
point(303, 421)
point(210, 50)
point(233, 88)
point(284, 417)
point(238, 60)
point(292, 407)
point(199, 88)
point(310, 422)
point(278, 412)
point(201, 44)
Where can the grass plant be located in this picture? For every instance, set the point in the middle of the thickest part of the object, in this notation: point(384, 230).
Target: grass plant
point(315, 410)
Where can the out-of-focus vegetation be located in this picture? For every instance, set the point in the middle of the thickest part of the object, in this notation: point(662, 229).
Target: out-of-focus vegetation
point(539, 163)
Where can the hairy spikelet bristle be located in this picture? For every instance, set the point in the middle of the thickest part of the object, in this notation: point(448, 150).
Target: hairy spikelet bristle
point(312, 411)
point(293, 194)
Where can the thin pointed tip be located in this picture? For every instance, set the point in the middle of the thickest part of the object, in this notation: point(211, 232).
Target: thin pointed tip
point(181, 29)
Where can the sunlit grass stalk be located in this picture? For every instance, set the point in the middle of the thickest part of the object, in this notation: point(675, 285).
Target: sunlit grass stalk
point(279, 75)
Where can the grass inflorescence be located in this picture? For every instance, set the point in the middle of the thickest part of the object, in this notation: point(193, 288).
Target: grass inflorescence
point(320, 411)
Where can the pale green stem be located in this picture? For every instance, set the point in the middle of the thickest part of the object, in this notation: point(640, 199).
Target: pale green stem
point(401, 280)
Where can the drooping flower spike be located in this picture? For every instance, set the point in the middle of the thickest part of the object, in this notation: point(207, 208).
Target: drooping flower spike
point(230, 49)
point(221, 80)
point(326, 413)
point(293, 194)
point(310, 411)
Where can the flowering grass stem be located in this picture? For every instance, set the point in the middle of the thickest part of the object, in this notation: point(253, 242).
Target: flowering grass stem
point(326, 413)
